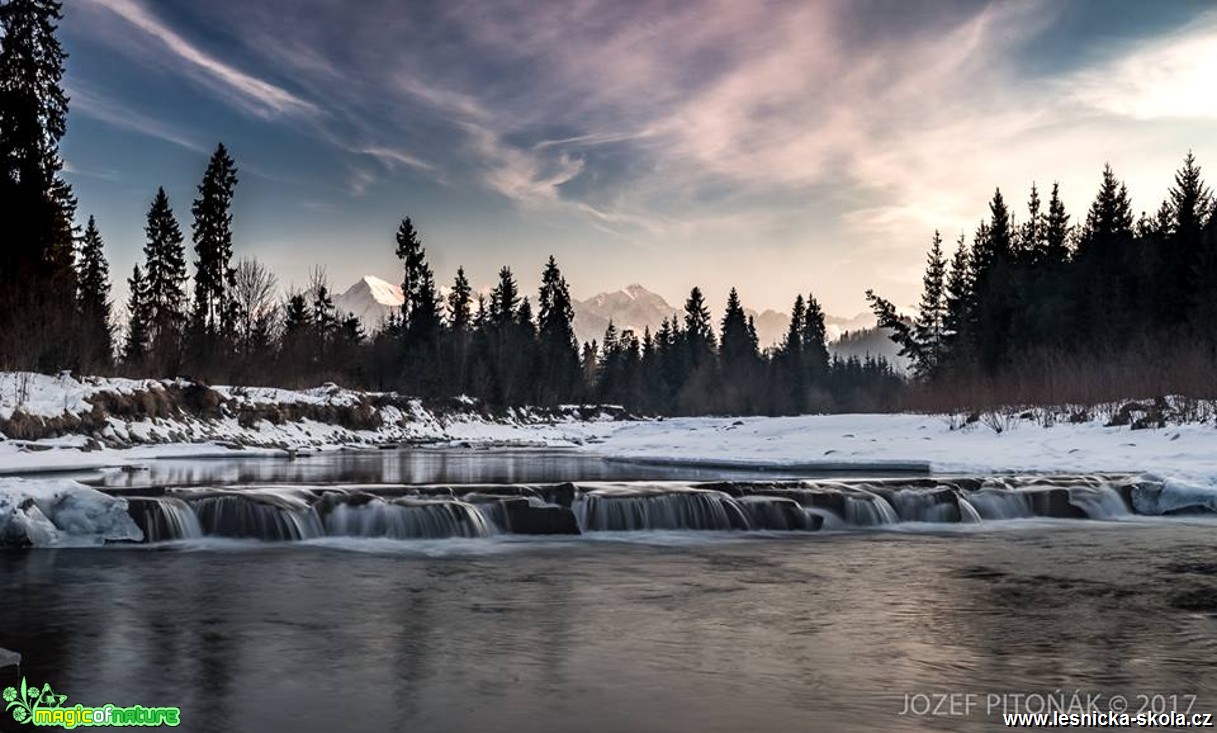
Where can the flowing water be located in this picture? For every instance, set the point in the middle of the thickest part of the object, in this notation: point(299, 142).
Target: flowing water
point(746, 604)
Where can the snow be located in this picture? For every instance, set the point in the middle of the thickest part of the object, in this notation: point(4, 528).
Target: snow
point(54, 513)
point(371, 300)
point(1186, 454)
point(860, 441)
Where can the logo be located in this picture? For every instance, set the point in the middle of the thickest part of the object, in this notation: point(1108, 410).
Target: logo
point(43, 707)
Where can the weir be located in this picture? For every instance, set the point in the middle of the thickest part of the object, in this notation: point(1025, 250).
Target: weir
point(292, 513)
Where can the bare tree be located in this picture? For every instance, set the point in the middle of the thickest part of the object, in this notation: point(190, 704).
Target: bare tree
point(254, 294)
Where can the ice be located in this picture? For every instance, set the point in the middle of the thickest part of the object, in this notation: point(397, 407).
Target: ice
point(1176, 495)
point(58, 512)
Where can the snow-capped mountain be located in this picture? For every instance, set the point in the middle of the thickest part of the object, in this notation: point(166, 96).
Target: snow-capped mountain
point(371, 300)
point(633, 307)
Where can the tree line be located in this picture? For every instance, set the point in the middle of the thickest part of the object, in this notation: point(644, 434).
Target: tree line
point(226, 322)
point(1045, 310)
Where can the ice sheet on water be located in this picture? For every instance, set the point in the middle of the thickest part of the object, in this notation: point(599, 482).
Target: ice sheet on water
point(1175, 495)
point(59, 512)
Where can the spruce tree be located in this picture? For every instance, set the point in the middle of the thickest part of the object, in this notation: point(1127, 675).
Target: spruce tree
point(504, 298)
point(214, 276)
point(1056, 233)
point(139, 321)
point(1191, 206)
point(93, 300)
point(460, 304)
point(1105, 287)
point(421, 320)
point(698, 334)
point(815, 338)
point(37, 277)
point(739, 349)
point(558, 365)
point(165, 270)
point(931, 325)
point(1030, 242)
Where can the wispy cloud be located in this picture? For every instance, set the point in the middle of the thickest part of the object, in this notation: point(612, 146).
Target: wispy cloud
point(254, 95)
point(817, 131)
point(90, 103)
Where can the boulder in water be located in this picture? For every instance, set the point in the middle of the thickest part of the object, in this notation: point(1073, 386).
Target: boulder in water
point(525, 519)
point(1055, 503)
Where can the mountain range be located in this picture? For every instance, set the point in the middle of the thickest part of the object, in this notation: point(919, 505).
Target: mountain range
point(372, 300)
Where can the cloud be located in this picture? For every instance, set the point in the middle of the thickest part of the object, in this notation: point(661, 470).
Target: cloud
point(253, 95)
point(89, 103)
point(393, 158)
point(840, 132)
point(1170, 76)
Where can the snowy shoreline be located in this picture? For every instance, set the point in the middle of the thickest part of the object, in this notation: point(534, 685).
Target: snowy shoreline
point(163, 419)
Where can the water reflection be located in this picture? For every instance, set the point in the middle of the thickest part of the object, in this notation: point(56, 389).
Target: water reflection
point(410, 466)
point(752, 634)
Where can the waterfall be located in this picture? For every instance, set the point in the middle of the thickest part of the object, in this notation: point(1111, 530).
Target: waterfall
point(968, 512)
point(1000, 504)
point(407, 519)
point(164, 518)
point(937, 505)
point(1098, 502)
point(869, 510)
point(628, 509)
point(262, 516)
point(778, 513)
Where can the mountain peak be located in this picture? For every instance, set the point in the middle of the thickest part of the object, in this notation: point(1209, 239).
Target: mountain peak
point(371, 300)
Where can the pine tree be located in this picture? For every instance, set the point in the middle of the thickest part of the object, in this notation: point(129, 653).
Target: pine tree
point(460, 304)
point(460, 327)
point(1030, 242)
point(815, 341)
point(139, 320)
point(504, 298)
point(698, 334)
point(1191, 206)
point(931, 325)
point(739, 349)
point(558, 365)
point(1106, 270)
point(214, 275)
point(995, 294)
point(165, 270)
point(93, 300)
point(421, 319)
point(1056, 232)
point(37, 276)
point(790, 362)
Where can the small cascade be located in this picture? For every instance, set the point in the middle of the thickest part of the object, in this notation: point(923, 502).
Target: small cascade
point(405, 518)
point(869, 510)
point(1098, 502)
point(1000, 504)
point(967, 512)
point(917, 505)
point(777, 513)
point(257, 515)
point(628, 509)
point(164, 518)
point(286, 513)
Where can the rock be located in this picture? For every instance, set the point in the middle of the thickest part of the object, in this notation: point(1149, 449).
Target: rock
point(1055, 503)
point(524, 519)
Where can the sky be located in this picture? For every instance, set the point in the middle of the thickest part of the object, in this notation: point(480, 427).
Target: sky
point(776, 147)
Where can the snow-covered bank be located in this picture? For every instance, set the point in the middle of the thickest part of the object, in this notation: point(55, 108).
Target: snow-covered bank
point(91, 423)
point(876, 441)
point(63, 423)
